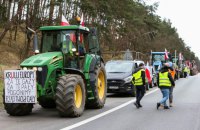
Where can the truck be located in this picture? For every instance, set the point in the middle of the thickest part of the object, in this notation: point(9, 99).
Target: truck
point(69, 72)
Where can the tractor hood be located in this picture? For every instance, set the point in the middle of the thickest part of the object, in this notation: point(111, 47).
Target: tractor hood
point(42, 59)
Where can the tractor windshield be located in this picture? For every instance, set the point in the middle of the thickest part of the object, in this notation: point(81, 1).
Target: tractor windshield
point(158, 57)
point(58, 41)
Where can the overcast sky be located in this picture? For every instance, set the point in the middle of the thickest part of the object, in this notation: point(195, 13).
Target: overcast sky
point(185, 17)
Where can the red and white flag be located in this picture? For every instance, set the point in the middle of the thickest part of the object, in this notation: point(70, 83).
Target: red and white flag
point(166, 54)
point(82, 22)
point(64, 21)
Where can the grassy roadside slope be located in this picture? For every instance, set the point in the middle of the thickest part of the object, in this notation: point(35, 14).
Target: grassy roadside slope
point(1, 93)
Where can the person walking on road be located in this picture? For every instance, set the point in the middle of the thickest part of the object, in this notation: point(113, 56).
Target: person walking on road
point(165, 82)
point(138, 81)
point(172, 72)
point(185, 70)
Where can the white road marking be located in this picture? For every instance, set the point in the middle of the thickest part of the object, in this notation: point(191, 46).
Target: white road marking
point(104, 113)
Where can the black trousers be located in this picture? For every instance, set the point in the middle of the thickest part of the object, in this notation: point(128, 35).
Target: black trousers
point(140, 91)
point(185, 74)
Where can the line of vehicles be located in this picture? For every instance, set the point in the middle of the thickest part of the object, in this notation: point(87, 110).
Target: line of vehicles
point(119, 72)
point(68, 73)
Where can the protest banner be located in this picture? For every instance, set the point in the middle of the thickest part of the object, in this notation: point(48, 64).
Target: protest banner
point(20, 86)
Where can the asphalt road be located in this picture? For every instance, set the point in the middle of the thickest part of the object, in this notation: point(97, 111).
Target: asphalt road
point(119, 113)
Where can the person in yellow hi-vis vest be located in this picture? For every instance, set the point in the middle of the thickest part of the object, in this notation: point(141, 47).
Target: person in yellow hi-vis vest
point(138, 81)
point(188, 71)
point(165, 82)
point(185, 71)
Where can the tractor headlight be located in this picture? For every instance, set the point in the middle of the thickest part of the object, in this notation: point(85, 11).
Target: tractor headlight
point(74, 49)
point(35, 68)
point(128, 79)
point(24, 68)
point(39, 68)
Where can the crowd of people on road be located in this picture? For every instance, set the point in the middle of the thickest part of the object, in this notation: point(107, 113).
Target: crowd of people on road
point(165, 81)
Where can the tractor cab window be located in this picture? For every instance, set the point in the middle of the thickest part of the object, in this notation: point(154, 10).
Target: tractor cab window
point(51, 41)
point(68, 42)
point(59, 41)
point(158, 57)
point(93, 42)
point(82, 44)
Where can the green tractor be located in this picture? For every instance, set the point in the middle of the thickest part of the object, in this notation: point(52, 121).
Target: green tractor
point(70, 73)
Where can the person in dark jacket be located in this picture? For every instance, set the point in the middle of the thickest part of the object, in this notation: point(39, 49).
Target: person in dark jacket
point(165, 82)
point(138, 81)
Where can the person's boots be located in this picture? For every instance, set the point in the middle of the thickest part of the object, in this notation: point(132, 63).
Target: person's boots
point(139, 105)
point(158, 105)
point(166, 107)
point(136, 104)
point(170, 104)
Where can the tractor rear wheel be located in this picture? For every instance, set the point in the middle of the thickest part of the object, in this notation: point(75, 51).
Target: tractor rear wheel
point(17, 109)
point(70, 95)
point(99, 86)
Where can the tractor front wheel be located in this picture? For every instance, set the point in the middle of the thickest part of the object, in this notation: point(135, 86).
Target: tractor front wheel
point(17, 109)
point(98, 83)
point(70, 95)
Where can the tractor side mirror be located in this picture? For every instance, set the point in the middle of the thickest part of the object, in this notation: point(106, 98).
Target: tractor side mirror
point(35, 39)
point(35, 44)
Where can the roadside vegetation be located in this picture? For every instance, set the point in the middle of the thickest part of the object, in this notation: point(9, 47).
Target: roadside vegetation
point(1, 92)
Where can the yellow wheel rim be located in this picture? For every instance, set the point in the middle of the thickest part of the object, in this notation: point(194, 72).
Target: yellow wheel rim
point(101, 85)
point(78, 96)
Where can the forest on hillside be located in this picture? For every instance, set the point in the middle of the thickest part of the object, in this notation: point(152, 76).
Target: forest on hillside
point(122, 25)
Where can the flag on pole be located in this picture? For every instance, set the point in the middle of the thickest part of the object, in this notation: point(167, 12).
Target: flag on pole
point(166, 54)
point(180, 56)
point(82, 22)
point(64, 21)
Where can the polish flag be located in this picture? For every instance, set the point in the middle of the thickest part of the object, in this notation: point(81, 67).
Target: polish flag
point(166, 54)
point(82, 22)
point(64, 21)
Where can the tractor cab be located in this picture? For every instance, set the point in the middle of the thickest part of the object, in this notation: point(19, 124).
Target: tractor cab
point(73, 41)
point(158, 58)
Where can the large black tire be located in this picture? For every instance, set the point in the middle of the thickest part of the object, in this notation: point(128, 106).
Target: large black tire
point(47, 102)
point(70, 96)
point(98, 83)
point(17, 109)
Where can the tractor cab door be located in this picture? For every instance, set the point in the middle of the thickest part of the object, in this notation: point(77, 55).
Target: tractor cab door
point(69, 48)
point(94, 47)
